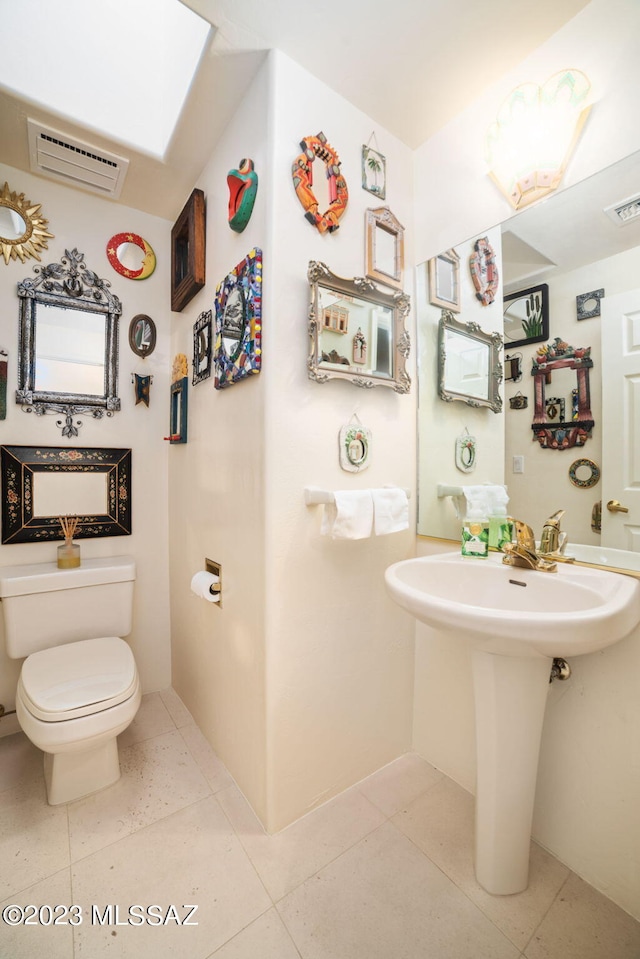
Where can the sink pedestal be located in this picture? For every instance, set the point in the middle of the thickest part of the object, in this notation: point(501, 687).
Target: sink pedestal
point(510, 698)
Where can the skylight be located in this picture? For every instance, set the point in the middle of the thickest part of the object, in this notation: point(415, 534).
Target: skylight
point(121, 68)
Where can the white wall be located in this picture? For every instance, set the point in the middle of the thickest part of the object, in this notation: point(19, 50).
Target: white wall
point(339, 653)
point(81, 220)
point(589, 791)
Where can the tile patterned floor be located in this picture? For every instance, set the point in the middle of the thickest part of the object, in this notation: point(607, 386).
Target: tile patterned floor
point(384, 871)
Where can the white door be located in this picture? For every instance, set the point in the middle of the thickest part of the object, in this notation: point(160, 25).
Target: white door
point(621, 419)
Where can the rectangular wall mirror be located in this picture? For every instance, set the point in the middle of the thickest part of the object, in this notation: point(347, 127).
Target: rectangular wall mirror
point(40, 484)
point(384, 248)
point(469, 363)
point(357, 331)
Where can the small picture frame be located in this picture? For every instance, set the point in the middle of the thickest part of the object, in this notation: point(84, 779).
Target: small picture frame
point(188, 239)
point(526, 316)
point(374, 172)
point(588, 304)
point(202, 348)
point(444, 281)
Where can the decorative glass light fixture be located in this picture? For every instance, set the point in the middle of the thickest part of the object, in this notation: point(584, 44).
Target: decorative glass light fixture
point(537, 127)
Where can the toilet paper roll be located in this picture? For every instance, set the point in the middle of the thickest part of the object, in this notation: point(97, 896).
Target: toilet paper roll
point(202, 585)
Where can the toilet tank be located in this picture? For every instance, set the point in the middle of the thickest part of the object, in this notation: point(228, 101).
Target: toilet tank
point(44, 606)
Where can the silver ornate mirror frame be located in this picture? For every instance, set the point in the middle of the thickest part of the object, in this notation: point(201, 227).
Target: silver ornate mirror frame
point(360, 288)
point(493, 344)
point(68, 285)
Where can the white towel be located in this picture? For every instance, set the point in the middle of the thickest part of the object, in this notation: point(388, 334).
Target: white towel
point(391, 510)
point(350, 517)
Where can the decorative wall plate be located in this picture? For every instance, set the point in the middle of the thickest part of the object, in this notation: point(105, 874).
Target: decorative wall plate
point(484, 271)
point(584, 473)
point(302, 173)
point(114, 254)
point(243, 186)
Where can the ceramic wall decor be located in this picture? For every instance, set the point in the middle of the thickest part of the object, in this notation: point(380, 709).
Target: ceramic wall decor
point(119, 253)
point(466, 452)
point(484, 271)
point(202, 348)
point(584, 473)
point(354, 444)
point(243, 186)
point(22, 227)
point(302, 173)
point(238, 319)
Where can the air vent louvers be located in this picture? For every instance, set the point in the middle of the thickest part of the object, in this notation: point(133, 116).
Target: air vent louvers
point(74, 162)
point(624, 211)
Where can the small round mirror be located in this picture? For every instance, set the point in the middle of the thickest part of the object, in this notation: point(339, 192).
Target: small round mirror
point(130, 255)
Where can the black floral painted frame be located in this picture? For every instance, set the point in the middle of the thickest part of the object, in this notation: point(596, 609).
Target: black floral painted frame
point(18, 465)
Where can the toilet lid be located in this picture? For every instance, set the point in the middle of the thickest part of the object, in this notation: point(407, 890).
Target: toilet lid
point(79, 678)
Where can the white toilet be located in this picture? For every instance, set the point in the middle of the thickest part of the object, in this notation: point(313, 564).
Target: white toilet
point(79, 686)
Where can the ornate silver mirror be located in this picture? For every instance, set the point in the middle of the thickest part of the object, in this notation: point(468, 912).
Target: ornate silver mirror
point(68, 343)
point(357, 332)
point(469, 363)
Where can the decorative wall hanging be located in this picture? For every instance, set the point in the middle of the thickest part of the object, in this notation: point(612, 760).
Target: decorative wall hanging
point(444, 281)
point(25, 468)
point(142, 388)
point(526, 316)
point(3, 384)
point(188, 247)
point(359, 347)
point(374, 170)
point(519, 402)
point(354, 444)
point(563, 435)
point(142, 335)
point(243, 186)
point(484, 271)
point(302, 173)
point(466, 452)
point(379, 314)
point(22, 227)
point(588, 304)
point(202, 349)
point(584, 473)
point(238, 311)
point(68, 343)
point(179, 400)
point(118, 249)
point(384, 247)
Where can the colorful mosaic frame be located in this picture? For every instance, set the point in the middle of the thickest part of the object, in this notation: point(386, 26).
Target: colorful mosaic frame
point(20, 463)
point(242, 287)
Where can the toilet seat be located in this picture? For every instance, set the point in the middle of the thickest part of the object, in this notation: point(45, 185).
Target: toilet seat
point(78, 679)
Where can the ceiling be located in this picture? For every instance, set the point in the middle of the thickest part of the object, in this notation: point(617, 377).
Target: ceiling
point(411, 65)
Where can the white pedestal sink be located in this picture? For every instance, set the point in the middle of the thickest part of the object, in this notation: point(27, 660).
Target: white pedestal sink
point(518, 620)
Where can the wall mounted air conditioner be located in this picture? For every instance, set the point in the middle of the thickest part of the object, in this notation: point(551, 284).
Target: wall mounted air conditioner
point(61, 157)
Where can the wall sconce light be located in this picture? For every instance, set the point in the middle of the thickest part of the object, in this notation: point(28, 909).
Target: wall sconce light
point(537, 127)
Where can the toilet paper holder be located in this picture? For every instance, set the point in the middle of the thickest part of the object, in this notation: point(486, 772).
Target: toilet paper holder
point(216, 569)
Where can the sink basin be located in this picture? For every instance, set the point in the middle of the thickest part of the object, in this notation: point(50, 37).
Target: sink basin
point(518, 620)
point(514, 611)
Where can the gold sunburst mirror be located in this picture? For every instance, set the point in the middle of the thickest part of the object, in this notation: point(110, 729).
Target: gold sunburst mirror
point(22, 227)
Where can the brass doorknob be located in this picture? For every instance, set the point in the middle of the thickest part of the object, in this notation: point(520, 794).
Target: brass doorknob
point(615, 507)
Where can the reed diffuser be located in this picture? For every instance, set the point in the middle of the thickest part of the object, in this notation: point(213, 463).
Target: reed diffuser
point(69, 552)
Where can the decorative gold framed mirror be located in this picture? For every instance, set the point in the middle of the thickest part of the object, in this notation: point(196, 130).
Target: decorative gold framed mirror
point(22, 227)
point(384, 247)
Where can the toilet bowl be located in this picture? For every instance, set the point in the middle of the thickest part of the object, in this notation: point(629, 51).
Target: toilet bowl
point(78, 687)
